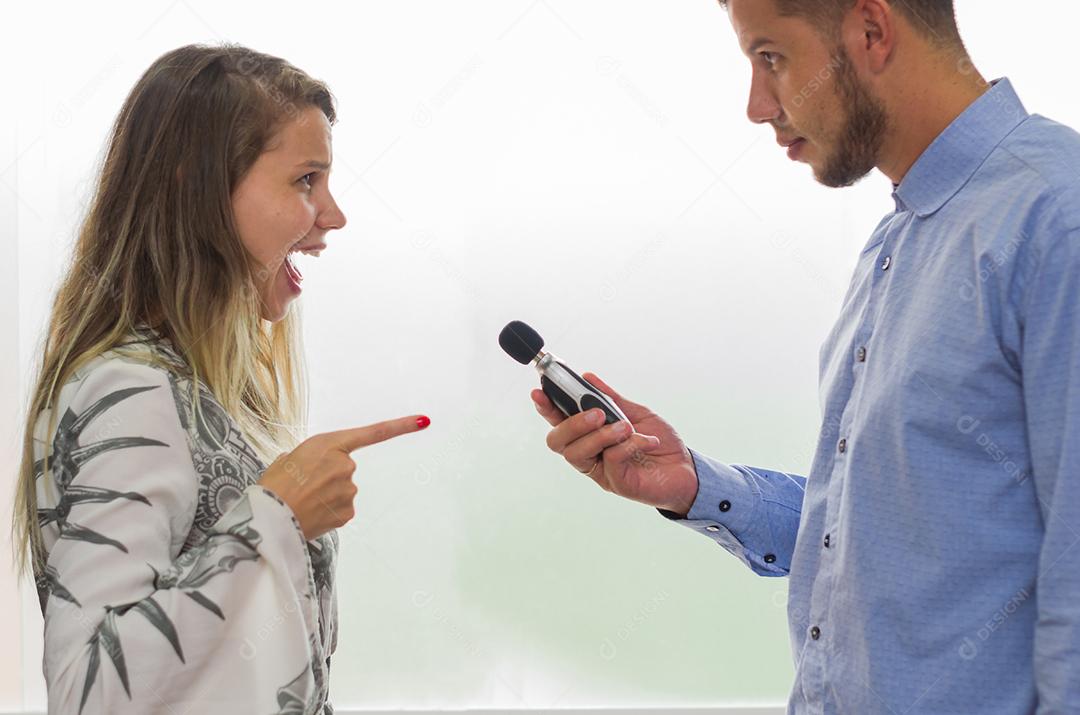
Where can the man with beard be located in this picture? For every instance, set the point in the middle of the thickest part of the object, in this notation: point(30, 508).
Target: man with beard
point(934, 551)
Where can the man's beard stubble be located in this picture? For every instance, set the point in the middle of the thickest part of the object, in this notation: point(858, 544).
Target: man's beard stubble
point(859, 141)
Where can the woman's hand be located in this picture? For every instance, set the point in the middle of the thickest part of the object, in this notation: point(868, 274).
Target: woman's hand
point(650, 465)
point(315, 479)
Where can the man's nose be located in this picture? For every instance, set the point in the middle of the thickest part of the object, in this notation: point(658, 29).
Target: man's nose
point(762, 107)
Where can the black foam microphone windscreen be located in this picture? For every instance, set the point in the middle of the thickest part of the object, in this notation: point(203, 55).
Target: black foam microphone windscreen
point(521, 342)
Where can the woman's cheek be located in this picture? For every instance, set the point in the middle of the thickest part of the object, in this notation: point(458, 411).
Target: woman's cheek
point(305, 219)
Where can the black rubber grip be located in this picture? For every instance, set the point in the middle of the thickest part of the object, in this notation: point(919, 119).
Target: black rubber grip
point(561, 400)
point(588, 401)
point(591, 402)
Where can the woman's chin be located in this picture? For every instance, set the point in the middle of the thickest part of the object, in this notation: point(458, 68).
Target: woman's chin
point(282, 293)
point(274, 308)
point(275, 317)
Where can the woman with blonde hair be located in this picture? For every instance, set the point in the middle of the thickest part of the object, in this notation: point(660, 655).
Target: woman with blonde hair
point(176, 570)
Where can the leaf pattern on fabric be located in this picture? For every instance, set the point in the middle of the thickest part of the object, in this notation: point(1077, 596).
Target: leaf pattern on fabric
point(226, 465)
point(160, 620)
point(107, 636)
point(221, 536)
point(51, 580)
point(218, 554)
point(205, 603)
point(290, 697)
point(68, 457)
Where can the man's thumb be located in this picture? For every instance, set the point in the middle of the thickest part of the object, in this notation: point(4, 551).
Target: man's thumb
point(624, 404)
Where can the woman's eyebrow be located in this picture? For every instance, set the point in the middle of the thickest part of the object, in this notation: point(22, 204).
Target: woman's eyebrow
point(758, 44)
point(313, 164)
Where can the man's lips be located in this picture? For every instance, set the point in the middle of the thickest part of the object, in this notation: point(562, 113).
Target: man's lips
point(792, 145)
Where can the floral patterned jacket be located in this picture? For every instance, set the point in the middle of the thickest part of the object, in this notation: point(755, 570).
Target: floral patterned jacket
point(173, 582)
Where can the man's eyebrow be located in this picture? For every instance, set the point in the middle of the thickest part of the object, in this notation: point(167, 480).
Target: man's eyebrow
point(758, 43)
point(313, 164)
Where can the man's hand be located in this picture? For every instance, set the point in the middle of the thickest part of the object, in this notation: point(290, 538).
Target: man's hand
point(650, 465)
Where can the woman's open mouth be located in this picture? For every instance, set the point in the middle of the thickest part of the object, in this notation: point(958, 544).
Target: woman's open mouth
point(292, 273)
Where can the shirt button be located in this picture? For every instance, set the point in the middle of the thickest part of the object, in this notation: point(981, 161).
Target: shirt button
point(826, 541)
point(815, 633)
point(886, 263)
point(770, 558)
point(713, 529)
point(842, 447)
point(861, 355)
point(725, 505)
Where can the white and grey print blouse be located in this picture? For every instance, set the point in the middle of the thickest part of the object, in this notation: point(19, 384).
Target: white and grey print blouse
point(173, 583)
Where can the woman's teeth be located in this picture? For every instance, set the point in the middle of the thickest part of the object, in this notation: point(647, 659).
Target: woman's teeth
point(290, 262)
point(293, 271)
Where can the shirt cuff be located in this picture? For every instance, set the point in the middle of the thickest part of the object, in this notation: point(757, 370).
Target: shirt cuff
point(725, 511)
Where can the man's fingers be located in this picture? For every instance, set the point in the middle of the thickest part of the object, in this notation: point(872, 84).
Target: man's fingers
point(624, 404)
point(348, 440)
point(574, 428)
point(634, 450)
point(547, 410)
point(584, 452)
point(600, 477)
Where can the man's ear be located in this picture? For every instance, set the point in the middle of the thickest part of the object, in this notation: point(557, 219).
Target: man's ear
point(871, 30)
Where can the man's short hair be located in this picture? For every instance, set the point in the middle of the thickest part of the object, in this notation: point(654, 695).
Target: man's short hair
point(934, 19)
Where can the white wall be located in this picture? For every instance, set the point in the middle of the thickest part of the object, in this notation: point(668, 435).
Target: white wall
point(11, 663)
point(584, 166)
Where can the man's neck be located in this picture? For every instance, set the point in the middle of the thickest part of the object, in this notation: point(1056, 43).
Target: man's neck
point(921, 110)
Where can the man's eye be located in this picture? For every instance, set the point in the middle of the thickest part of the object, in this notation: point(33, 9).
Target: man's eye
point(770, 58)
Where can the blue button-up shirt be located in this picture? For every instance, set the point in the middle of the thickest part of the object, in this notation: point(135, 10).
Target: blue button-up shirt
point(934, 551)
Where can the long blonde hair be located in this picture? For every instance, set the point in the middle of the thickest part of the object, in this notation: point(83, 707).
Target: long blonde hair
point(159, 247)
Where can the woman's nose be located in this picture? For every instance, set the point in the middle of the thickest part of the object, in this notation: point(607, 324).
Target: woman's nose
point(332, 217)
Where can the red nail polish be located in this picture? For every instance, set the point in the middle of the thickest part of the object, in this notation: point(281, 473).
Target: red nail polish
point(422, 422)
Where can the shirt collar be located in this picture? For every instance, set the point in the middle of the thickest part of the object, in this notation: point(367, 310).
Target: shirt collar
point(953, 158)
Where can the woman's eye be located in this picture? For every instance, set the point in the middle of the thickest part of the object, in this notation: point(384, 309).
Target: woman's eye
point(306, 179)
point(770, 58)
